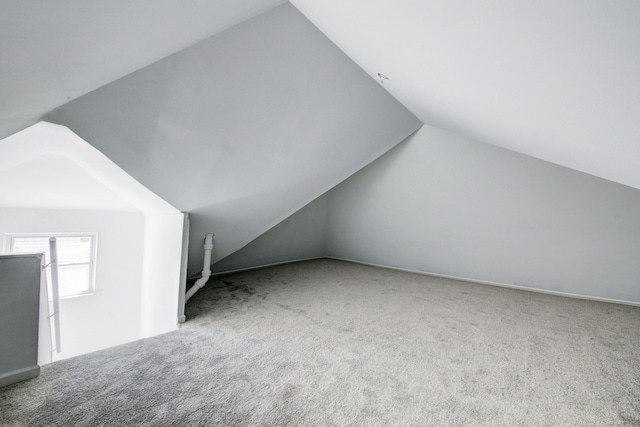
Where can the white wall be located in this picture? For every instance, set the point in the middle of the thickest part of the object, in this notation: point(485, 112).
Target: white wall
point(301, 236)
point(445, 204)
point(53, 181)
point(244, 128)
point(111, 316)
point(160, 273)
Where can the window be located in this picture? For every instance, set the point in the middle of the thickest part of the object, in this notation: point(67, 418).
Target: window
point(76, 259)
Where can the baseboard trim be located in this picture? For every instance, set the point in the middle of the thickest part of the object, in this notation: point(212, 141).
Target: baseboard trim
point(485, 282)
point(258, 267)
point(19, 375)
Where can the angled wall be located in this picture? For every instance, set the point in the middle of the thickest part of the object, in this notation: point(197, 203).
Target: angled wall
point(301, 236)
point(244, 128)
point(444, 204)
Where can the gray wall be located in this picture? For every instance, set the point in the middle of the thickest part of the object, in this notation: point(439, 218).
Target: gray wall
point(59, 50)
point(301, 236)
point(19, 317)
point(444, 204)
point(244, 128)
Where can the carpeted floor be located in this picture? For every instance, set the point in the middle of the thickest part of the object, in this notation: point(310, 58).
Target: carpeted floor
point(332, 343)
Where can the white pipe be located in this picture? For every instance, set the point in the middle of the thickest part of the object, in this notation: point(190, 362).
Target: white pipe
point(206, 269)
point(53, 253)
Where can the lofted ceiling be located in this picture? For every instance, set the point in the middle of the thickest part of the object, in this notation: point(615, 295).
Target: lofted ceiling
point(244, 128)
point(49, 167)
point(282, 115)
point(557, 80)
point(54, 51)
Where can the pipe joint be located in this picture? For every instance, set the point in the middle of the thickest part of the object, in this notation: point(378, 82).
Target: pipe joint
point(206, 269)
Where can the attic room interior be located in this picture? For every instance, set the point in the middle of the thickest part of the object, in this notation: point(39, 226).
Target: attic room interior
point(419, 213)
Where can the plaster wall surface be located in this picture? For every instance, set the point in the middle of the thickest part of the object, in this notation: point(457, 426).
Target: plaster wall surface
point(111, 315)
point(445, 204)
point(53, 52)
point(49, 166)
point(300, 236)
point(244, 128)
point(160, 282)
point(54, 182)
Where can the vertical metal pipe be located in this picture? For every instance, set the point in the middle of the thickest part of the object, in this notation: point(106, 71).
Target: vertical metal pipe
point(53, 251)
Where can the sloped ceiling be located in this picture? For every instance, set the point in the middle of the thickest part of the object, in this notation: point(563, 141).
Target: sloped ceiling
point(54, 51)
point(47, 166)
point(51, 181)
point(557, 80)
point(554, 80)
point(244, 128)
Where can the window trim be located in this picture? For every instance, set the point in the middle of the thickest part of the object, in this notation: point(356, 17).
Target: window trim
point(7, 248)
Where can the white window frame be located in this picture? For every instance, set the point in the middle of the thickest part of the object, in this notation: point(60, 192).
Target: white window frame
point(8, 248)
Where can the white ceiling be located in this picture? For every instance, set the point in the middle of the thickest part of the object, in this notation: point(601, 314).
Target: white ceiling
point(47, 166)
point(55, 51)
point(558, 80)
point(51, 181)
point(244, 128)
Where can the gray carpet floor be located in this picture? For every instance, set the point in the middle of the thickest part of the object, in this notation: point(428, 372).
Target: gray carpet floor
point(333, 343)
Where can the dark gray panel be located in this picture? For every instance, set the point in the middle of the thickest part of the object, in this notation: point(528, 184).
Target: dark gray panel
point(19, 316)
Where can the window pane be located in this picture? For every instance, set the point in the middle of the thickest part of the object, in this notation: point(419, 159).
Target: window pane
point(29, 245)
point(72, 279)
point(74, 250)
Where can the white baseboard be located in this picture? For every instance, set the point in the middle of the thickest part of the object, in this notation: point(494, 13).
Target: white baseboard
point(258, 267)
point(19, 375)
point(445, 276)
point(485, 282)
